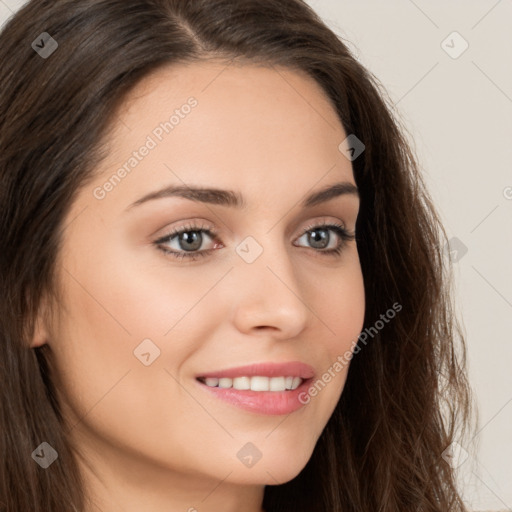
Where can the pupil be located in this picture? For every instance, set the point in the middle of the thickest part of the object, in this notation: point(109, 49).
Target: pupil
point(191, 237)
point(319, 238)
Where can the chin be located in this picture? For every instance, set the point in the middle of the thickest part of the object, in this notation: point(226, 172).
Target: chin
point(278, 468)
point(268, 475)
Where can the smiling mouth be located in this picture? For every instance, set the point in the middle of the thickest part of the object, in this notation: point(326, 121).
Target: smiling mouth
point(254, 383)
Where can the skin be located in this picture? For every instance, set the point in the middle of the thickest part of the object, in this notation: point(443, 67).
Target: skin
point(150, 437)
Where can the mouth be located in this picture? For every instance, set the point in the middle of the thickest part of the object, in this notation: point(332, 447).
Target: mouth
point(265, 388)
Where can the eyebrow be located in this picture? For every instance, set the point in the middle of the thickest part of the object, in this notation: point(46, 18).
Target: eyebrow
point(235, 199)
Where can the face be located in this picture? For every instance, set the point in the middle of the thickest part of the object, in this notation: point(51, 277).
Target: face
point(161, 288)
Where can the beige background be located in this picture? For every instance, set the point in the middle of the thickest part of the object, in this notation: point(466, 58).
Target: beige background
point(458, 109)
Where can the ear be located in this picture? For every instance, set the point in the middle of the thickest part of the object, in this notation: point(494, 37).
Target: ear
point(40, 335)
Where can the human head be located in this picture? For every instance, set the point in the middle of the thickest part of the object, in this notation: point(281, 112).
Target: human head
point(81, 88)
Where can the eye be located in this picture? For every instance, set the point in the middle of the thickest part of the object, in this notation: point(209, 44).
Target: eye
point(318, 236)
point(189, 239)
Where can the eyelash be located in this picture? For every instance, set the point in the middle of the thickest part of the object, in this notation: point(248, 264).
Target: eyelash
point(339, 229)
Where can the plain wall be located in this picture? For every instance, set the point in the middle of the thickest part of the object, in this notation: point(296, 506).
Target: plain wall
point(459, 113)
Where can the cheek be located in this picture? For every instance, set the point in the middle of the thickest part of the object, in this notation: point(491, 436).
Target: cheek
point(121, 295)
point(122, 305)
point(113, 305)
point(340, 308)
point(340, 305)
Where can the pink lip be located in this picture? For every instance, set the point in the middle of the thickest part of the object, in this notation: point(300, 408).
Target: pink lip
point(264, 402)
point(292, 368)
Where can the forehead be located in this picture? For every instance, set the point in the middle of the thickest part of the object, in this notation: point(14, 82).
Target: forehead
point(225, 124)
point(235, 103)
point(220, 81)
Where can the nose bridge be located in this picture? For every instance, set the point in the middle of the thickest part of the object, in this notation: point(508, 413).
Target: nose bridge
point(268, 291)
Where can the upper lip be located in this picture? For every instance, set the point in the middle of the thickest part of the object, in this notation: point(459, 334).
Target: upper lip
point(291, 368)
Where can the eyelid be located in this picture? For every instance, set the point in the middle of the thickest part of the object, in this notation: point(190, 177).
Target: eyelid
point(323, 221)
point(189, 226)
point(201, 224)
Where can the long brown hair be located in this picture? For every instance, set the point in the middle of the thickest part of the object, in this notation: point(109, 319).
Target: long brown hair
point(406, 398)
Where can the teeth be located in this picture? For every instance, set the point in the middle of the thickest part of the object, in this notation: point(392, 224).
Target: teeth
point(260, 384)
point(225, 383)
point(277, 384)
point(296, 382)
point(242, 383)
point(257, 383)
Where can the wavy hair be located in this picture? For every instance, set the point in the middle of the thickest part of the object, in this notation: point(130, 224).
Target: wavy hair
point(406, 397)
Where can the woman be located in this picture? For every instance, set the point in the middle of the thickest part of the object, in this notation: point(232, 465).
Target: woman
point(300, 353)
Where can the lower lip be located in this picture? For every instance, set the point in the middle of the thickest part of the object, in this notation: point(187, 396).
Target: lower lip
point(262, 402)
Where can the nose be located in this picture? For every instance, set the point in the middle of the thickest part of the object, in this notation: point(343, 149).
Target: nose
point(266, 293)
